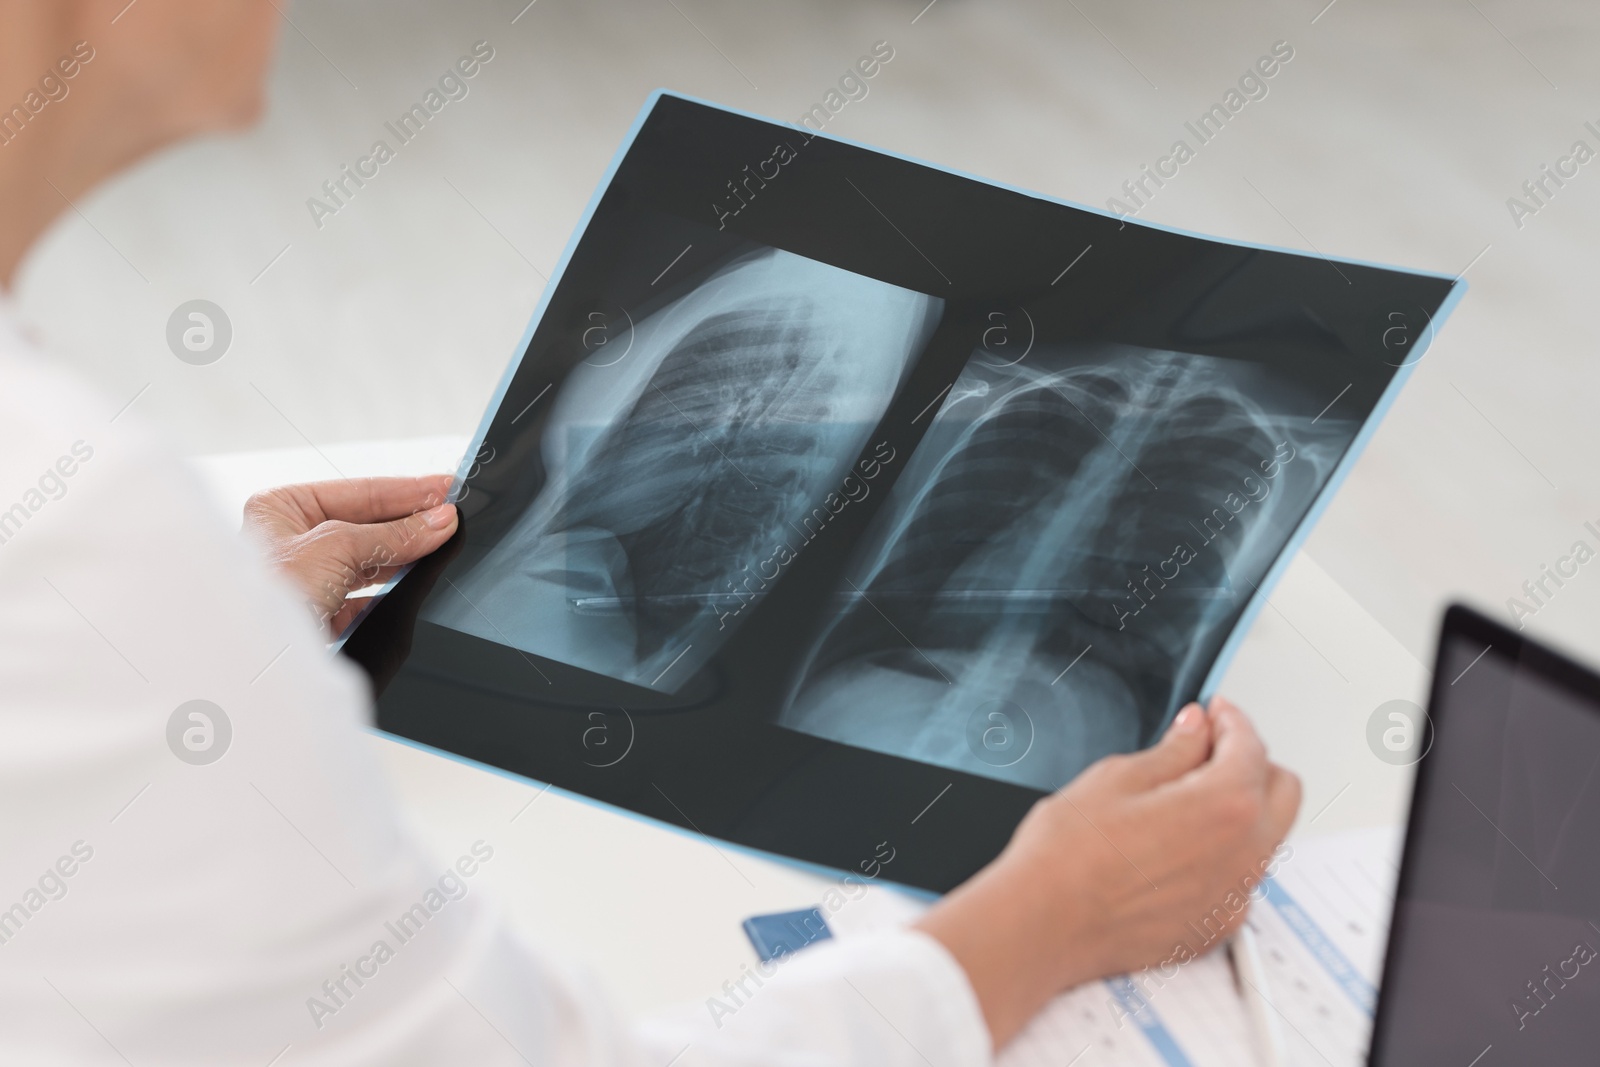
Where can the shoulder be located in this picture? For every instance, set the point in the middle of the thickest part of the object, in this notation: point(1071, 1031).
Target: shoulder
point(117, 569)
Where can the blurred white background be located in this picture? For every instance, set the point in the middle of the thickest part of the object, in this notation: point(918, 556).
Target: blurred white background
point(1396, 134)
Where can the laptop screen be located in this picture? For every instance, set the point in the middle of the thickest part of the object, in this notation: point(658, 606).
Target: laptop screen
point(1494, 956)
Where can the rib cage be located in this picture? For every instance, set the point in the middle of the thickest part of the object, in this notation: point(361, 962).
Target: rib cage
point(1003, 552)
point(737, 434)
point(673, 471)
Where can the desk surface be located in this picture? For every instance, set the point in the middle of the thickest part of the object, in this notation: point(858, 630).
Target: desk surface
point(655, 912)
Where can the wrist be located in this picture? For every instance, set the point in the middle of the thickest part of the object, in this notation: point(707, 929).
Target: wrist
point(1062, 921)
point(1022, 933)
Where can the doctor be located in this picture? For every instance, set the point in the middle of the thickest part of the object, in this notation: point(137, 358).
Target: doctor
point(156, 908)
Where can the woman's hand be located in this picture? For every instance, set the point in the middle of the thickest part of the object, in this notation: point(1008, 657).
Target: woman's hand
point(1142, 860)
point(332, 538)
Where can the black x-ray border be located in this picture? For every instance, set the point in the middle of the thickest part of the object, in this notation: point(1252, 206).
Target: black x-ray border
point(710, 759)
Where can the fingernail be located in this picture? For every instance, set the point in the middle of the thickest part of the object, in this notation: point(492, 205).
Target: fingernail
point(439, 517)
point(1188, 719)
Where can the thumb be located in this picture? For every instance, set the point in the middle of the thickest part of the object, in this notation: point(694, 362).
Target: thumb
point(1185, 746)
point(359, 553)
point(400, 541)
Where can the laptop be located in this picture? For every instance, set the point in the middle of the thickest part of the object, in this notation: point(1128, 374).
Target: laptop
point(1494, 949)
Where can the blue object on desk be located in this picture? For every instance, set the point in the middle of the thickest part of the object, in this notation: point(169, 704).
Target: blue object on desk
point(776, 936)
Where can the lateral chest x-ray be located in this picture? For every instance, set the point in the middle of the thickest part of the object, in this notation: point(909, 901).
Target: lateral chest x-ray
point(828, 483)
point(672, 467)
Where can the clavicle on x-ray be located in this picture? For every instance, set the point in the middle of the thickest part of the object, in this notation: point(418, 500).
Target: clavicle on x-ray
point(1051, 573)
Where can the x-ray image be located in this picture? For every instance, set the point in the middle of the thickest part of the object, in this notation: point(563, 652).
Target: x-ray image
point(1062, 558)
point(816, 492)
point(673, 469)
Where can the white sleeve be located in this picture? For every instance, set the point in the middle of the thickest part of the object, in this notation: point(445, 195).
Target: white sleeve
point(267, 907)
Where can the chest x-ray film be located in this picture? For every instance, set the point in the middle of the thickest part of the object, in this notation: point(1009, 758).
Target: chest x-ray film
point(828, 482)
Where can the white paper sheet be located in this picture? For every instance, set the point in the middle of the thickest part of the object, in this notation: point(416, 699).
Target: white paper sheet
point(1321, 930)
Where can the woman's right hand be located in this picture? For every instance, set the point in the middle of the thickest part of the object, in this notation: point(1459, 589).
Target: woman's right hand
point(1142, 860)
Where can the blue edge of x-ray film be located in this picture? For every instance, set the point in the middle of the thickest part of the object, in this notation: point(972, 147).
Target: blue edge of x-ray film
point(1252, 607)
point(776, 936)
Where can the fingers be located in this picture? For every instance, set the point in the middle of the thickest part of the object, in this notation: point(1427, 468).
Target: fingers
point(1232, 787)
point(1237, 751)
point(1184, 747)
point(352, 555)
point(367, 500)
point(1283, 802)
point(372, 547)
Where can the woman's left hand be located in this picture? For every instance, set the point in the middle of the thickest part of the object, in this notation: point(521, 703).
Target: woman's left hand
point(332, 538)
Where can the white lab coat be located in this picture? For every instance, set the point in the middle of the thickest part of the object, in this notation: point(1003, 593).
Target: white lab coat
point(155, 911)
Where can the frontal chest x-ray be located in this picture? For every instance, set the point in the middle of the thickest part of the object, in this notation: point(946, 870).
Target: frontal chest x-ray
point(1058, 565)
